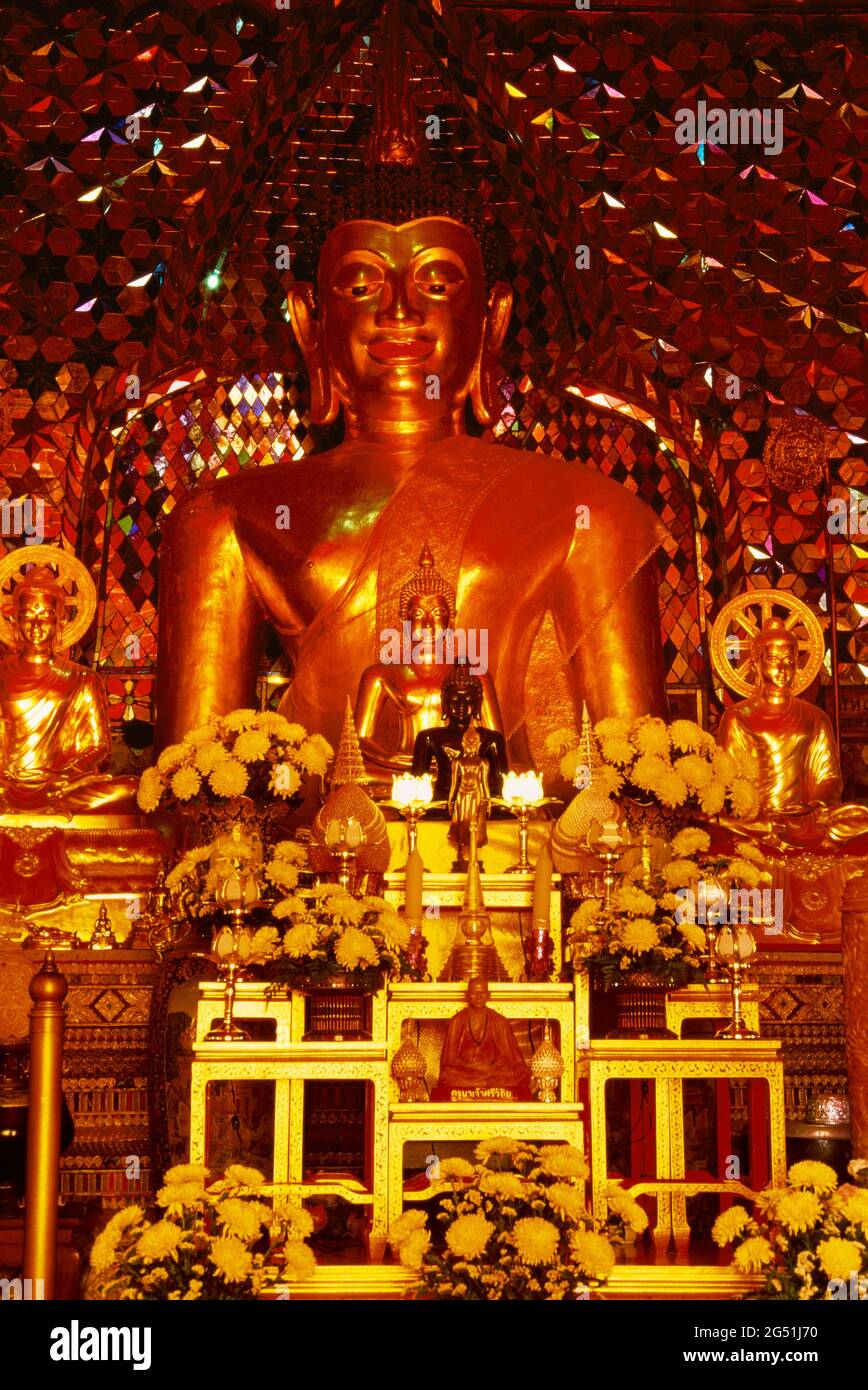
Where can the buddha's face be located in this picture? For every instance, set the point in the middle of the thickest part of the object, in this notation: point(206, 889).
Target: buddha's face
point(778, 666)
point(428, 616)
point(459, 707)
point(38, 618)
point(402, 314)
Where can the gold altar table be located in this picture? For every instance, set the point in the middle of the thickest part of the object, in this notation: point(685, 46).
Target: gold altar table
point(712, 1001)
point(669, 1064)
point(558, 1122)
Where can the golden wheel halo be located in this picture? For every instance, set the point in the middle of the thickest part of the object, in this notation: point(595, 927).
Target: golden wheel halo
point(71, 576)
point(743, 618)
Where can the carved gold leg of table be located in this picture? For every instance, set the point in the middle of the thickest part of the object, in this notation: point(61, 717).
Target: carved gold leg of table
point(282, 1106)
point(662, 1232)
point(680, 1227)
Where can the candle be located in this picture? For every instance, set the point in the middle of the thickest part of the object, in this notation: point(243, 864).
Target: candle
point(413, 885)
point(542, 886)
point(610, 836)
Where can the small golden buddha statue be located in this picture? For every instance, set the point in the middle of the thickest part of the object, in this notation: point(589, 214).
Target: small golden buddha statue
point(481, 1059)
point(792, 746)
point(401, 333)
point(54, 726)
point(469, 799)
point(401, 696)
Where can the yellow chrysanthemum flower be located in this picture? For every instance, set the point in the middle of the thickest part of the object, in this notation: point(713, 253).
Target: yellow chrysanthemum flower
point(159, 1240)
point(232, 1260)
point(241, 1176)
point(746, 873)
point(854, 1207)
point(679, 873)
point(743, 799)
point(238, 719)
point(672, 789)
point(178, 1196)
point(728, 1225)
point(650, 735)
point(712, 798)
point(313, 758)
point(585, 914)
point(265, 945)
point(299, 1261)
point(468, 1236)
point(284, 780)
point(693, 935)
point(536, 1240)
point(407, 1223)
point(299, 1222)
point(300, 940)
point(840, 1258)
point(150, 790)
point(619, 751)
point(489, 1148)
point(229, 778)
point(185, 783)
point(562, 1161)
point(395, 931)
point(748, 851)
point(282, 873)
point(413, 1250)
point(695, 770)
point(510, 1187)
point(753, 1254)
point(798, 1211)
point(187, 1172)
point(172, 758)
point(194, 738)
point(690, 840)
point(809, 1173)
point(251, 745)
point(631, 899)
point(638, 935)
point(648, 771)
point(612, 728)
point(354, 949)
point(243, 1219)
point(686, 735)
point(566, 1200)
point(208, 757)
point(455, 1168)
point(625, 1206)
point(592, 1254)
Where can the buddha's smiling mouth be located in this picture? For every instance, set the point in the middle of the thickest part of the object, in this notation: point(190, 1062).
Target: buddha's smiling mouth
point(389, 348)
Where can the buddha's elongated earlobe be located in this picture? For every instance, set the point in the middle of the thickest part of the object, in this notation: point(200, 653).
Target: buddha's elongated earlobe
point(483, 383)
point(324, 402)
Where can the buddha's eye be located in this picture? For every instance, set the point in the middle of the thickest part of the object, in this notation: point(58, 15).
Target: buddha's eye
point(357, 280)
point(440, 279)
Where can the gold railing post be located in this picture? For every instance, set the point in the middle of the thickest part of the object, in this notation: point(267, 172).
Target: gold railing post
point(47, 990)
point(854, 932)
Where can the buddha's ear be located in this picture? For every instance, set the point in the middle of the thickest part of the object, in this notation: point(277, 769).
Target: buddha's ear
point(483, 385)
point(301, 305)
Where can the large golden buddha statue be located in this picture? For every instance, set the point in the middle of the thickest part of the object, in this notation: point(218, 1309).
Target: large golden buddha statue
point(401, 336)
point(54, 726)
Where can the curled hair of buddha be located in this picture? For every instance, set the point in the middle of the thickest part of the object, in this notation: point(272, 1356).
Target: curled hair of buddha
point(775, 630)
point(41, 580)
point(425, 580)
point(397, 193)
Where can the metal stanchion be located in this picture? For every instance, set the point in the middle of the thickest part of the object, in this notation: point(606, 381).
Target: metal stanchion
point(47, 990)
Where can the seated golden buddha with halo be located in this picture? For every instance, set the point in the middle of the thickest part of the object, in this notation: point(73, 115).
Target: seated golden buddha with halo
point(54, 726)
point(401, 695)
point(401, 335)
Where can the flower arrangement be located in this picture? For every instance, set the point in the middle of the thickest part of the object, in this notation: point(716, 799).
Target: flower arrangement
point(330, 933)
point(244, 753)
point(650, 926)
point(676, 765)
point(810, 1240)
point(514, 1227)
point(217, 1240)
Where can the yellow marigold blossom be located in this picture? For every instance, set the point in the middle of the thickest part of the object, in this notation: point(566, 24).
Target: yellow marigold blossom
point(618, 751)
point(407, 1223)
point(743, 798)
point(693, 935)
point(313, 758)
point(840, 1258)
point(413, 1250)
point(159, 1240)
point(679, 873)
point(284, 780)
point(238, 719)
point(686, 735)
point(854, 1207)
point(177, 1196)
point(242, 1176)
point(150, 790)
point(650, 735)
point(208, 756)
point(729, 1224)
point(536, 1240)
point(562, 1161)
point(630, 899)
point(299, 1261)
point(355, 948)
point(798, 1211)
point(625, 1206)
point(695, 770)
point(456, 1168)
point(592, 1254)
point(809, 1173)
point(229, 778)
point(187, 1172)
point(243, 1219)
point(487, 1148)
point(251, 745)
point(509, 1186)
point(690, 840)
point(612, 728)
point(301, 939)
point(753, 1254)
point(172, 758)
point(468, 1236)
point(648, 771)
point(638, 934)
point(712, 798)
point(232, 1260)
point(566, 1200)
point(672, 789)
point(185, 783)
